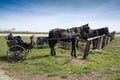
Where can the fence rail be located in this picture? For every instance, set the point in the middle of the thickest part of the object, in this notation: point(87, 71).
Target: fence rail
point(103, 41)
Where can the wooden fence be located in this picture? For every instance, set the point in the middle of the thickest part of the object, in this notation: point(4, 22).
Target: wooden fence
point(103, 40)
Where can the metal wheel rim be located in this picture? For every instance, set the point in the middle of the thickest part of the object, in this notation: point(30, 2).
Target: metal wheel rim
point(16, 53)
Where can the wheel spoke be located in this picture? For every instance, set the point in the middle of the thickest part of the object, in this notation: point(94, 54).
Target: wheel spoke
point(16, 53)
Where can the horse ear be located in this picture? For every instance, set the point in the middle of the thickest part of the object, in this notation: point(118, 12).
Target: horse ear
point(87, 24)
point(106, 27)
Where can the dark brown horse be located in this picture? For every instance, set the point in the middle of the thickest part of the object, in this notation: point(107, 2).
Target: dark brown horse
point(98, 32)
point(112, 35)
point(67, 35)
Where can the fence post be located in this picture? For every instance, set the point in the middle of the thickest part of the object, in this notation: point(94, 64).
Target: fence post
point(108, 39)
point(87, 49)
point(103, 41)
point(99, 43)
point(113, 35)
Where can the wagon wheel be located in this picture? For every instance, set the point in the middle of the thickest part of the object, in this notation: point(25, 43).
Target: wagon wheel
point(16, 53)
point(28, 50)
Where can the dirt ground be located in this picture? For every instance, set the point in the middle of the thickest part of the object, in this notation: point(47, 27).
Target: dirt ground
point(5, 75)
point(15, 76)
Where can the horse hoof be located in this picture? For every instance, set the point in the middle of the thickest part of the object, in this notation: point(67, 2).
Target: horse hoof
point(75, 56)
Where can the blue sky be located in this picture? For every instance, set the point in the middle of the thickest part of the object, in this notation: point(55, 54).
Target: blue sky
point(44, 15)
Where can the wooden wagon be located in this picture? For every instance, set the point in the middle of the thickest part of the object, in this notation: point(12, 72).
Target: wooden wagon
point(17, 52)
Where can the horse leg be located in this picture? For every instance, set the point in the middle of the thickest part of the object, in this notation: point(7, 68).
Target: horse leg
point(54, 53)
point(73, 52)
point(97, 43)
point(74, 46)
point(51, 47)
point(54, 46)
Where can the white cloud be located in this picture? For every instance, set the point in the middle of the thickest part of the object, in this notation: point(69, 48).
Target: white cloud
point(43, 18)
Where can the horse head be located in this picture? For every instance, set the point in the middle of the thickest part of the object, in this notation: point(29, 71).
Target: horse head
point(105, 31)
point(86, 28)
point(54, 33)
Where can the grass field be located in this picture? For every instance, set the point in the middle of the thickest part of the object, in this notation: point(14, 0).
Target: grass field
point(24, 32)
point(104, 64)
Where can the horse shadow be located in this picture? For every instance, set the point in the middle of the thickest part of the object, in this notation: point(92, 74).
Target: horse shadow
point(3, 58)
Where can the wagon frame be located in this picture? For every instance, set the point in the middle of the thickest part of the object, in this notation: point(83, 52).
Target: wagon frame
point(17, 52)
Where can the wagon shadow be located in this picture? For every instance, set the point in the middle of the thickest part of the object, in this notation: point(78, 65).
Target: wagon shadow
point(3, 58)
point(39, 57)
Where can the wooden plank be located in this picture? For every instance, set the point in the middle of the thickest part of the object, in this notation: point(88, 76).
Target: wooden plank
point(87, 49)
point(89, 39)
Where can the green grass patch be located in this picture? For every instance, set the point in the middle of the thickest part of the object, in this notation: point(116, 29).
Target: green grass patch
point(105, 62)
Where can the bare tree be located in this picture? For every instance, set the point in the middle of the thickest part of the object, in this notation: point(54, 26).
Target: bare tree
point(13, 29)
